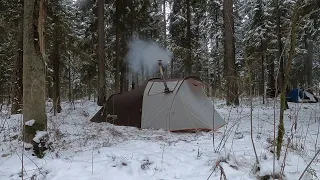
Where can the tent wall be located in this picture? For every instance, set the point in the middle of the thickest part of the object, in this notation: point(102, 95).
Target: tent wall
point(186, 108)
point(293, 96)
point(127, 106)
point(193, 110)
point(156, 104)
point(299, 95)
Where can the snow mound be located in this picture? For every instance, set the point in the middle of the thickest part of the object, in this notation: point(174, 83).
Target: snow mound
point(30, 122)
point(39, 136)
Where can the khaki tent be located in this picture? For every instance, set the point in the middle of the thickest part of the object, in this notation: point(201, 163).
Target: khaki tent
point(186, 107)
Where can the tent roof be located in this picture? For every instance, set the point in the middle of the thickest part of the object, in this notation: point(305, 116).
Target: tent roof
point(140, 89)
point(128, 105)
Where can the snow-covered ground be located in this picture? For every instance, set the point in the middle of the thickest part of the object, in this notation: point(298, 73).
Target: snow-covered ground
point(83, 150)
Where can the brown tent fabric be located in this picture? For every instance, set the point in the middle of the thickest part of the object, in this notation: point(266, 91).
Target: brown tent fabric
point(127, 107)
point(186, 108)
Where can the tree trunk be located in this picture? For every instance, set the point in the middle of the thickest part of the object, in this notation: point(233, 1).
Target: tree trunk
point(69, 80)
point(118, 33)
point(133, 81)
point(281, 83)
point(90, 90)
point(216, 74)
point(308, 63)
point(73, 95)
point(172, 68)
point(127, 78)
point(101, 68)
point(287, 70)
point(56, 82)
point(123, 77)
point(56, 67)
point(229, 54)
point(123, 64)
point(136, 77)
point(164, 37)
point(8, 95)
point(1, 96)
point(198, 68)
point(164, 24)
point(34, 69)
point(261, 82)
point(271, 81)
point(17, 84)
point(142, 72)
point(147, 73)
point(188, 63)
point(281, 78)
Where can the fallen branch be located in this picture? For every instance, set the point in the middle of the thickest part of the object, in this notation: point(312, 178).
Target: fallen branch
point(222, 173)
point(305, 170)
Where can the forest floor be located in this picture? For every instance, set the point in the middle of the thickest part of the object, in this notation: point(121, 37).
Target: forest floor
point(83, 150)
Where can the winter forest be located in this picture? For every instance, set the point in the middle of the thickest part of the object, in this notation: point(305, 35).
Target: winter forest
point(109, 89)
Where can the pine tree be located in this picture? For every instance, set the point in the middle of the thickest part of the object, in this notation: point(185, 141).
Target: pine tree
point(229, 54)
point(33, 69)
point(17, 85)
point(118, 17)
point(101, 54)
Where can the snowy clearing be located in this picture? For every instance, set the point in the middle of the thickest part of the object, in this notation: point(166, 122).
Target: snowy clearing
point(84, 150)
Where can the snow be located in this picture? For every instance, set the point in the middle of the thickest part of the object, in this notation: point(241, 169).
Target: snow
point(310, 96)
point(267, 168)
point(39, 136)
point(30, 122)
point(85, 150)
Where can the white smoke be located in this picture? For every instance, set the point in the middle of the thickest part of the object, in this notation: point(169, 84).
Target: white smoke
point(146, 53)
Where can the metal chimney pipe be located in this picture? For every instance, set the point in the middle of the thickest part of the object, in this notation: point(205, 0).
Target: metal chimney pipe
point(166, 89)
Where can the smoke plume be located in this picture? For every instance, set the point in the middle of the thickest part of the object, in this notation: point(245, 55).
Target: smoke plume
point(146, 53)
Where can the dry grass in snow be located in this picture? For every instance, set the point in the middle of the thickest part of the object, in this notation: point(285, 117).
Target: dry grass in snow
point(84, 150)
